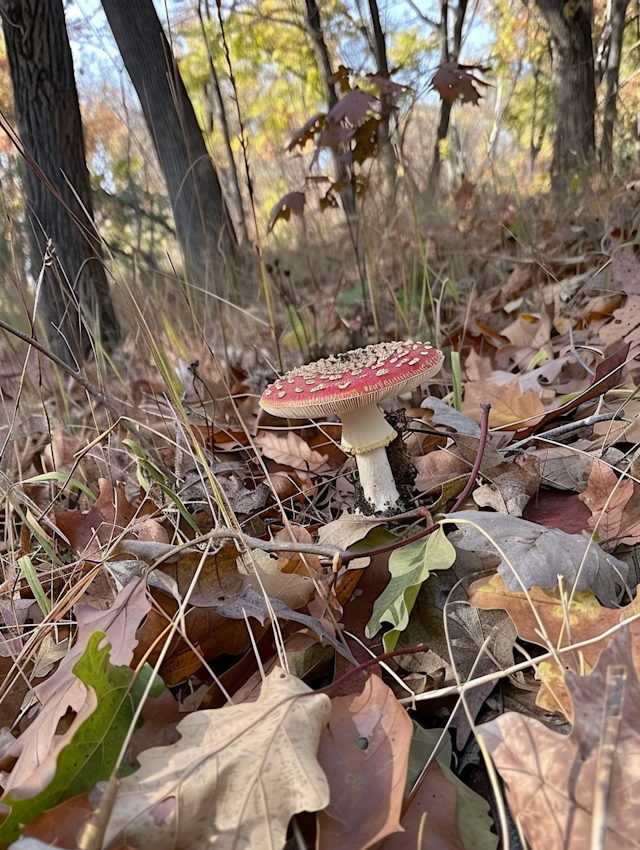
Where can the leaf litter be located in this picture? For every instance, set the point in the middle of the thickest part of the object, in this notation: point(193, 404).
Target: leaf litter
point(272, 726)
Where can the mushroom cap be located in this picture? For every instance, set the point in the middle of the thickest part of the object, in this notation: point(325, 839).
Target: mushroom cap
point(352, 380)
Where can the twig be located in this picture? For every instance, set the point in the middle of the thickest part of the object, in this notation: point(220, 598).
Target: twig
point(552, 433)
point(328, 689)
point(345, 557)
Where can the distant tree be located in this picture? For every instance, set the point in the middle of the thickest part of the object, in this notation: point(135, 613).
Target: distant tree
point(75, 294)
point(573, 86)
point(203, 225)
point(610, 56)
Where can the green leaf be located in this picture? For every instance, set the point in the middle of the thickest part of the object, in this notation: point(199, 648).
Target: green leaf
point(409, 567)
point(93, 751)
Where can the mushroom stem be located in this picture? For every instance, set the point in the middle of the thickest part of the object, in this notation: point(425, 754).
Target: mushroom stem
point(376, 479)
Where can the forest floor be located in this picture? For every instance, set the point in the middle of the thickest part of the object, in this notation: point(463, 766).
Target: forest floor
point(191, 597)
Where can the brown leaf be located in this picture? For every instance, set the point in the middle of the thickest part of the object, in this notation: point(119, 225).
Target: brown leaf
point(606, 497)
point(291, 450)
point(292, 203)
point(551, 779)
point(510, 492)
point(88, 532)
point(545, 610)
point(38, 747)
point(364, 752)
point(307, 132)
point(510, 407)
point(453, 81)
point(438, 467)
point(353, 108)
point(256, 760)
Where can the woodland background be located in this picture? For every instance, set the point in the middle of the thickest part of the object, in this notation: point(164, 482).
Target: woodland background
point(200, 195)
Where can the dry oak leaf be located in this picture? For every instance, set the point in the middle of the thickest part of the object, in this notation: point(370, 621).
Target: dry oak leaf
point(233, 780)
point(352, 108)
point(437, 468)
point(552, 780)
point(364, 751)
point(606, 497)
point(291, 450)
point(38, 746)
point(510, 407)
point(544, 612)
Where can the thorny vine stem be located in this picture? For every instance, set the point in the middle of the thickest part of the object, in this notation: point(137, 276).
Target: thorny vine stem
point(345, 557)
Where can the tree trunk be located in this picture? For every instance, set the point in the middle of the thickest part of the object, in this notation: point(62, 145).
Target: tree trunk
point(314, 26)
point(618, 15)
point(447, 54)
point(387, 153)
point(574, 94)
point(234, 182)
point(75, 294)
point(203, 225)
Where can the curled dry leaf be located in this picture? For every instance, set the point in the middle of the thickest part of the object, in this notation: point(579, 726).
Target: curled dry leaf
point(364, 751)
point(606, 496)
point(511, 491)
point(256, 760)
point(353, 108)
point(552, 780)
point(292, 203)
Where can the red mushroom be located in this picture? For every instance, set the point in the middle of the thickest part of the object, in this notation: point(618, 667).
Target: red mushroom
point(350, 385)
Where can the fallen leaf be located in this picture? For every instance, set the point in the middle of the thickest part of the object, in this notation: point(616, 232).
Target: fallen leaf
point(251, 603)
point(438, 467)
point(456, 817)
point(529, 554)
point(364, 751)
point(546, 613)
point(92, 752)
point(256, 760)
point(409, 566)
point(510, 492)
point(291, 450)
point(38, 746)
point(510, 407)
point(606, 496)
point(551, 779)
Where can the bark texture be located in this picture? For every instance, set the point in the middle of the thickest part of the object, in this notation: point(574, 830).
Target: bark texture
point(75, 300)
point(574, 93)
point(611, 76)
point(203, 225)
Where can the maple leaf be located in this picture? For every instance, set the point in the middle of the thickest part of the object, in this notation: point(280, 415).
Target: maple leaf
point(453, 81)
point(552, 780)
point(256, 760)
point(353, 108)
